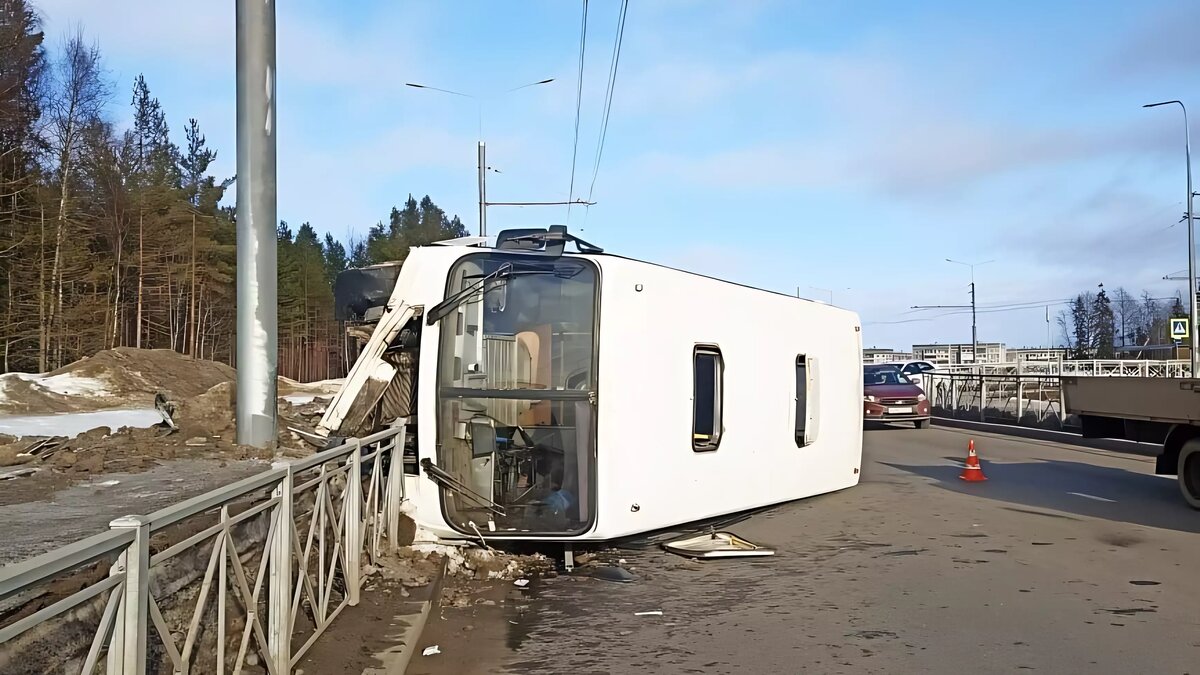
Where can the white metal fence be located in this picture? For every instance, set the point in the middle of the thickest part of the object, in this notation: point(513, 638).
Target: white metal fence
point(252, 572)
point(1087, 368)
point(1026, 400)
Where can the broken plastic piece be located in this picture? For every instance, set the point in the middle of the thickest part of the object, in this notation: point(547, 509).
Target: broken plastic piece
point(431, 650)
point(653, 612)
point(716, 545)
point(166, 408)
point(521, 583)
point(613, 573)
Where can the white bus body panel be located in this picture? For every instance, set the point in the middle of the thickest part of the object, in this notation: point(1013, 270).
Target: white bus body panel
point(649, 475)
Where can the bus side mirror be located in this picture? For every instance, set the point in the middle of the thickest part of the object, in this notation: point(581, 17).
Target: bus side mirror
point(483, 438)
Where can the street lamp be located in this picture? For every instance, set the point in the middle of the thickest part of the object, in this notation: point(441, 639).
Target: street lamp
point(482, 146)
point(974, 327)
point(824, 290)
point(1187, 155)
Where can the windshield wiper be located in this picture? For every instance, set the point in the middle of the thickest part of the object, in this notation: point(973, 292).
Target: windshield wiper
point(439, 476)
point(443, 308)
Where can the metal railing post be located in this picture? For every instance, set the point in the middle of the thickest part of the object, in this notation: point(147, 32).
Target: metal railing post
point(353, 529)
point(395, 486)
point(1020, 392)
point(279, 602)
point(127, 650)
point(982, 399)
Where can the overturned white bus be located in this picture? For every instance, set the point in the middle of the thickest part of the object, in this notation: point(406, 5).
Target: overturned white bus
point(584, 396)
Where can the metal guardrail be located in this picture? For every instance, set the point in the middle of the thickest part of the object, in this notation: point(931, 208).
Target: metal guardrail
point(325, 518)
point(1084, 368)
point(1032, 400)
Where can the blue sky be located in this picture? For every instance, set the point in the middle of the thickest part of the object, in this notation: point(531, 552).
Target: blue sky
point(848, 146)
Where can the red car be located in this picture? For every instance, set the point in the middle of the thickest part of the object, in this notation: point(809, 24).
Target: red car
point(889, 396)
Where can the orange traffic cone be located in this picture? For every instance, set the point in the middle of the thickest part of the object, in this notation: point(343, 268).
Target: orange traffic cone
point(972, 472)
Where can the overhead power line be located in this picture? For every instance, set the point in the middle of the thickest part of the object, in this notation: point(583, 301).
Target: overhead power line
point(959, 311)
point(578, 103)
point(608, 94)
point(955, 310)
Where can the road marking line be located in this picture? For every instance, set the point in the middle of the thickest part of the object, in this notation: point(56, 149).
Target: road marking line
point(1099, 499)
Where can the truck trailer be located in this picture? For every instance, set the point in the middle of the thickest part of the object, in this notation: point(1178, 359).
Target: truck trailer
point(1160, 410)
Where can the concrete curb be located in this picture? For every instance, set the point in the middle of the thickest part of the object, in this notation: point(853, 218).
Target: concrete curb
point(1064, 437)
point(396, 659)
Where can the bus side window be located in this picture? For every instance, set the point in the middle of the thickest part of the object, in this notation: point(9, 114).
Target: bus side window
point(807, 400)
point(708, 373)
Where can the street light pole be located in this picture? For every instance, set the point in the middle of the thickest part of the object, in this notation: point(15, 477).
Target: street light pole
point(974, 324)
point(482, 148)
point(1187, 154)
point(818, 288)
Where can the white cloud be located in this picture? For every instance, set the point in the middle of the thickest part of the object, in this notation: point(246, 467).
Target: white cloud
point(198, 35)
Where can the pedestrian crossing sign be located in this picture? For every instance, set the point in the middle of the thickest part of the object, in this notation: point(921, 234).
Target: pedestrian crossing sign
point(1179, 329)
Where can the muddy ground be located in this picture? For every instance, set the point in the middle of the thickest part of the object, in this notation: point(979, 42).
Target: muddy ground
point(80, 483)
point(366, 638)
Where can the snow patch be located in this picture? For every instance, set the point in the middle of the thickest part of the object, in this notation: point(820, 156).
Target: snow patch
point(73, 424)
point(66, 384)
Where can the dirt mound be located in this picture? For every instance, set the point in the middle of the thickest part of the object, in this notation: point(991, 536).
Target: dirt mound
point(129, 378)
point(148, 370)
point(206, 431)
point(124, 377)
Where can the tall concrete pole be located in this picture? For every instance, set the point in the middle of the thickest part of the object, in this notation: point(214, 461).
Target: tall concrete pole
point(482, 189)
point(257, 308)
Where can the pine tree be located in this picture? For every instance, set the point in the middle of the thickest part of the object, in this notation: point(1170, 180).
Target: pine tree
point(112, 236)
point(1081, 321)
point(23, 80)
point(360, 256)
point(1102, 323)
point(194, 164)
point(418, 223)
point(334, 254)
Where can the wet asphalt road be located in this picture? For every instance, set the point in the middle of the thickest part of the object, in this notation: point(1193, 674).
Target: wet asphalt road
point(1067, 560)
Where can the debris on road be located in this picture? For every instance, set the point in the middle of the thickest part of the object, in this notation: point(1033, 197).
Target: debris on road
point(17, 473)
point(166, 408)
point(716, 545)
point(653, 612)
point(613, 573)
point(431, 650)
point(522, 583)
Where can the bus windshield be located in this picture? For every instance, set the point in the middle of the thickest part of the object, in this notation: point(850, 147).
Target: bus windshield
point(516, 383)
